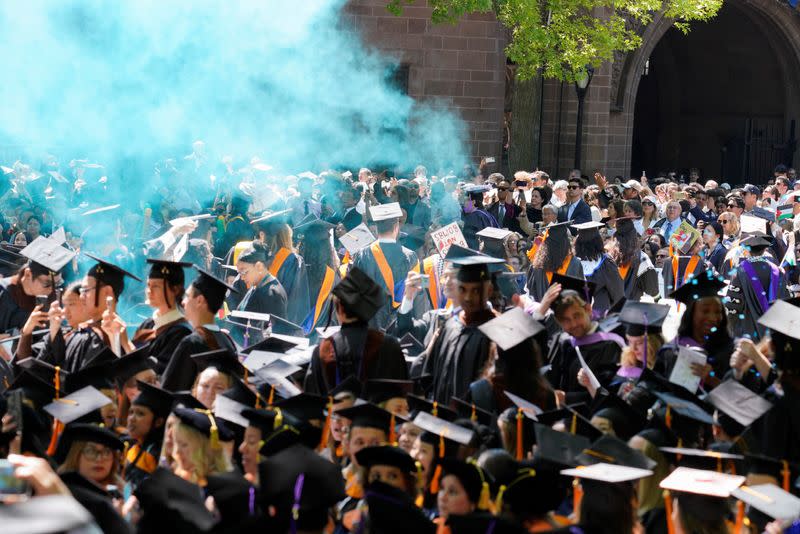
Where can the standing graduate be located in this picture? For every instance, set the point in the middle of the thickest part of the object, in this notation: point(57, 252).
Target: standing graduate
point(356, 349)
point(639, 277)
point(754, 286)
point(202, 301)
point(680, 268)
point(386, 261)
point(168, 326)
point(100, 292)
point(322, 267)
point(598, 267)
point(459, 351)
point(554, 255)
point(474, 216)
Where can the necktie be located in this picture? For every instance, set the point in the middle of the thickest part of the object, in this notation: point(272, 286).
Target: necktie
point(305, 207)
point(669, 230)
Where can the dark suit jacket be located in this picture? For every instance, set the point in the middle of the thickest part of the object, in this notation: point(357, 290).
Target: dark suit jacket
point(351, 220)
point(510, 220)
point(581, 214)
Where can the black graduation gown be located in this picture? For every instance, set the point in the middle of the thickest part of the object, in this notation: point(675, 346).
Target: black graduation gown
point(742, 305)
point(475, 222)
point(718, 352)
point(98, 502)
point(12, 315)
point(74, 353)
point(400, 260)
point(181, 370)
point(602, 357)
point(640, 280)
point(292, 276)
point(457, 357)
point(354, 349)
point(267, 297)
point(777, 434)
point(683, 262)
point(163, 341)
point(608, 285)
point(537, 278)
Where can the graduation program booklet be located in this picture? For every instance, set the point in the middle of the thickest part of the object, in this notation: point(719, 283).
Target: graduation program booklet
point(682, 372)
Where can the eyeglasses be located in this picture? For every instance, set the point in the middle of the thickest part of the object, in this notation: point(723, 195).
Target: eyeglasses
point(93, 453)
point(573, 187)
point(662, 256)
point(723, 221)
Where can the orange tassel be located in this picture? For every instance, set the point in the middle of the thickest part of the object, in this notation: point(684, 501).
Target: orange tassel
point(473, 416)
point(339, 450)
point(519, 433)
point(392, 432)
point(435, 409)
point(271, 395)
point(668, 512)
point(732, 467)
point(573, 427)
point(577, 497)
point(739, 517)
point(435, 480)
point(719, 465)
point(58, 428)
point(786, 472)
point(58, 381)
point(326, 428)
point(668, 417)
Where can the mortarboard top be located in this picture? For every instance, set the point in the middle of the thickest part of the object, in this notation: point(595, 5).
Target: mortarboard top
point(297, 481)
point(611, 450)
point(386, 455)
point(702, 285)
point(782, 317)
point(210, 286)
point(277, 368)
point(411, 346)
point(350, 387)
point(47, 514)
point(702, 482)
point(498, 234)
point(588, 226)
point(684, 407)
point(311, 223)
point(271, 344)
point(48, 253)
point(417, 405)
point(529, 409)
point(608, 473)
point(392, 511)
point(382, 390)
point(511, 328)
point(469, 411)
point(270, 217)
point(242, 394)
point(384, 212)
point(98, 375)
point(86, 432)
point(482, 523)
point(584, 288)
point(367, 415)
point(698, 458)
point(473, 189)
point(412, 235)
point(171, 271)
point(223, 360)
point(266, 419)
point(76, 405)
point(230, 411)
point(639, 317)
point(462, 256)
point(573, 418)
point(561, 448)
point(360, 295)
point(770, 500)
point(42, 371)
point(738, 402)
point(187, 400)
point(305, 406)
point(167, 499)
point(158, 400)
point(231, 493)
point(627, 422)
point(446, 429)
point(755, 241)
point(126, 367)
point(204, 422)
point(108, 272)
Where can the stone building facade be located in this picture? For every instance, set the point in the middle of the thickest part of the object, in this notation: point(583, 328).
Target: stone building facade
point(722, 98)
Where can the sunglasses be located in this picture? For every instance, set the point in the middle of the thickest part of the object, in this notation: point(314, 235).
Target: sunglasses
point(503, 188)
point(723, 221)
point(573, 187)
point(662, 256)
point(732, 206)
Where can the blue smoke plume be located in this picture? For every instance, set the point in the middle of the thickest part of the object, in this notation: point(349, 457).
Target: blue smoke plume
point(140, 80)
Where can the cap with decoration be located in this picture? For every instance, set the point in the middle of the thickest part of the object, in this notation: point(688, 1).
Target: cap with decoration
point(609, 473)
point(48, 255)
point(385, 212)
point(108, 273)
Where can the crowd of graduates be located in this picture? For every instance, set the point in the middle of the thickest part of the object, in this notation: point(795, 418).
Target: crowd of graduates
point(236, 349)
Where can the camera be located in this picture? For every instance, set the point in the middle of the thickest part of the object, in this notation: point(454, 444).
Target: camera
point(10, 485)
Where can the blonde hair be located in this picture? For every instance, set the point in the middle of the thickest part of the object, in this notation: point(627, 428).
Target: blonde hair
point(205, 459)
point(72, 461)
point(654, 342)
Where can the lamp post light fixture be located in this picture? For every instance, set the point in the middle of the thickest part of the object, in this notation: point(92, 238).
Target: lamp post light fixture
point(581, 87)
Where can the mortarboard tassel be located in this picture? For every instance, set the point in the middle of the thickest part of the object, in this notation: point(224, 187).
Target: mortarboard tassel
point(668, 512)
point(339, 450)
point(573, 427)
point(519, 434)
point(498, 501)
point(271, 395)
point(668, 417)
point(435, 409)
point(420, 500)
point(437, 473)
point(392, 431)
point(484, 501)
point(326, 428)
point(739, 517)
point(732, 467)
point(298, 493)
point(577, 497)
point(278, 422)
point(58, 426)
point(785, 472)
point(214, 432)
point(473, 416)
point(719, 464)
point(251, 502)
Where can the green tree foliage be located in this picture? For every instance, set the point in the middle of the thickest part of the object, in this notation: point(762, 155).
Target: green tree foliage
point(558, 38)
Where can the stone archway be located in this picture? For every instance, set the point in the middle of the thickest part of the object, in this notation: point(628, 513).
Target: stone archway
point(778, 28)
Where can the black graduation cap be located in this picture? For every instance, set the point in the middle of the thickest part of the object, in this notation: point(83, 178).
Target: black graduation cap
point(770, 500)
point(412, 236)
point(223, 360)
point(212, 288)
point(625, 420)
point(109, 274)
point(126, 367)
point(242, 394)
point(267, 419)
point(574, 419)
point(311, 223)
point(301, 485)
point(641, 317)
point(533, 478)
point(684, 407)
point(392, 511)
point(204, 422)
point(511, 328)
point(482, 523)
point(187, 400)
point(360, 295)
point(271, 344)
point(39, 377)
point(86, 432)
point(305, 406)
point(755, 241)
point(350, 387)
point(702, 285)
point(167, 499)
point(584, 288)
point(611, 450)
point(738, 402)
point(367, 415)
point(411, 346)
point(48, 254)
point(169, 271)
point(381, 390)
point(387, 455)
point(232, 493)
point(77, 405)
point(98, 375)
point(473, 265)
point(561, 448)
point(473, 413)
point(472, 478)
point(158, 400)
point(418, 404)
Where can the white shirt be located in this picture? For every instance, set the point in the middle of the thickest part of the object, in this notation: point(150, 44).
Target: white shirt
point(170, 316)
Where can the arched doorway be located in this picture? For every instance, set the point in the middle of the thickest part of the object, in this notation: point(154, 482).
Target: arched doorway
point(721, 98)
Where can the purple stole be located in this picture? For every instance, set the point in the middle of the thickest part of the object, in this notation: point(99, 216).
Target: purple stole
point(758, 289)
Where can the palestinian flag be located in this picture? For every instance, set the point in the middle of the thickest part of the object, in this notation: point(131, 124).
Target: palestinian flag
point(784, 212)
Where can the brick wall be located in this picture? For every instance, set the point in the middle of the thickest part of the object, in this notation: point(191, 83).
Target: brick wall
point(460, 66)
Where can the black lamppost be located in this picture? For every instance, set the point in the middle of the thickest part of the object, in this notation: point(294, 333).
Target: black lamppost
point(581, 87)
